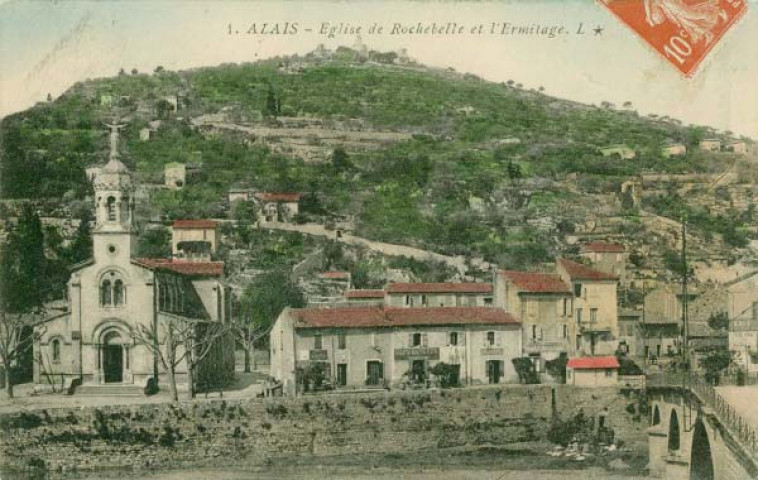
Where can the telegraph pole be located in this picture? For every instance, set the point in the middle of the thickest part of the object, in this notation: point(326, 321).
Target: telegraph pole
point(685, 332)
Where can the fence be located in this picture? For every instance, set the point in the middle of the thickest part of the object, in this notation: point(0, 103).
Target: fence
point(726, 414)
point(637, 382)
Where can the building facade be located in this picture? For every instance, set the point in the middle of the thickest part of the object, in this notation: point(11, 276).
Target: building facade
point(194, 239)
point(113, 295)
point(595, 307)
point(542, 302)
point(606, 257)
point(599, 371)
point(406, 295)
point(395, 347)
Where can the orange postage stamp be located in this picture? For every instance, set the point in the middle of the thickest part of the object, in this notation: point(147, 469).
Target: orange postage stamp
point(682, 31)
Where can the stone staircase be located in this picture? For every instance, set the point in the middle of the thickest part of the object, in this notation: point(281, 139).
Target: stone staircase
point(110, 390)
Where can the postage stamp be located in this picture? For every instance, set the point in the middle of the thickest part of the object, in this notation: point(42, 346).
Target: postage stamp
point(682, 31)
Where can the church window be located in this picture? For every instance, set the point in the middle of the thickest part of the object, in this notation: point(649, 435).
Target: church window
point(111, 206)
point(112, 291)
point(56, 344)
point(118, 293)
point(105, 292)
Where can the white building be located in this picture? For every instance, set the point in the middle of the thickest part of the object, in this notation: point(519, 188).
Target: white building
point(114, 294)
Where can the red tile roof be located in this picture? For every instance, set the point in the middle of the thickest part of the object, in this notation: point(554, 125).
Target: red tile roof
point(195, 224)
point(593, 363)
point(603, 247)
point(364, 294)
point(439, 288)
point(537, 282)
point(278, 197)
point(577, 271)
point(336, 275)
point(379, 317)
point(201, 269)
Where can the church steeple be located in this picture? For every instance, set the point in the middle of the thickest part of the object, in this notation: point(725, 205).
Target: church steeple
point(114, 202)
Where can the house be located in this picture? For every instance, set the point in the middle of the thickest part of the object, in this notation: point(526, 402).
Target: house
point(606, 257)
point(113, 295)
point(673, 150)
point(742, 311)
point(629, 331)
point(661, 327)
point(592, 371)
point(175, 175)
point(439, 294)
point(736, 146)
point(240, 194)
point(621, 151)
point(364, 297)
point(194, 239)
point(595, 306)
point(278, 207)
point(359, 347)
point(543, 303)
point(710, 145)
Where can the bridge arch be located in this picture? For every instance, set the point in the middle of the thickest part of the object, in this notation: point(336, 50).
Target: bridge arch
point(674, 436)
point(701, 463)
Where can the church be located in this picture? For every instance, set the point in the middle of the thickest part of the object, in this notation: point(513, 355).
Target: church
point(115, 296)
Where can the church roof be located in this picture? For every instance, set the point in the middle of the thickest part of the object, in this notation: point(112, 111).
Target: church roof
point(195, 269)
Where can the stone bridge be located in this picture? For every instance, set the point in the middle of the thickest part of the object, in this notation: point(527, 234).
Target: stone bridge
point(697, 433)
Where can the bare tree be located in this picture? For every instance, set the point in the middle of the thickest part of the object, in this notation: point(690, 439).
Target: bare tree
point(248, 330)
point(15, 339)
point(184, 340)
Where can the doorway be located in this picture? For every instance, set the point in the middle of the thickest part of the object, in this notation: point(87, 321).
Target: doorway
point(494, 370)
point(341, 374)
point(114, 364)
point(418, 371)
point(374, 372)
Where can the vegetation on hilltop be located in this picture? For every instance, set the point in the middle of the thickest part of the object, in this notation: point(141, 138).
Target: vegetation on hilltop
point(473, 141)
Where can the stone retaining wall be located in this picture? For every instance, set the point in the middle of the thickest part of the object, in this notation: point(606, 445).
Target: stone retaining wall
point(256, 432)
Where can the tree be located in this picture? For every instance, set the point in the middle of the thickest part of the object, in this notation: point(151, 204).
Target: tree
point(80, 248)
point(261, 303)
point(155, 243)
point(164, 108)
point(714, 363)
point(22, 291)
point(134, 71)
point(184, 340)
point(719, 321)
point(557, 367)
point(340, 160)
point(273, 107)
point(525, 370)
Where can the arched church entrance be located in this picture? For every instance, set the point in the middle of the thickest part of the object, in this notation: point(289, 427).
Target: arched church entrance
point(113, 357)
point(701, 464)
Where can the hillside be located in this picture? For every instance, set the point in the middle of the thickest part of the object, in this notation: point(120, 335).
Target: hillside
point(425, 157)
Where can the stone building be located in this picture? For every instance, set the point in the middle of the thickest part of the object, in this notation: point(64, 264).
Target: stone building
point(543, 303)
point(606, 257)
point(175, 175)
point(360, 347)
point(408, 295)
point(742, 310)
point(593, 371)
point(595, 307)
point(710, 145)
point(278, 207)
point(673, 150)
point(113, 294)
point(194, 239)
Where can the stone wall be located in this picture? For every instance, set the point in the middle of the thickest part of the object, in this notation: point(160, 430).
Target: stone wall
point(257, 432)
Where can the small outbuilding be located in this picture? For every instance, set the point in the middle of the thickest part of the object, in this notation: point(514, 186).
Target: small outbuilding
point(593, 371)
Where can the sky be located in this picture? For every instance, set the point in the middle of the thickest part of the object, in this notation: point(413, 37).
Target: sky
point(47, 46)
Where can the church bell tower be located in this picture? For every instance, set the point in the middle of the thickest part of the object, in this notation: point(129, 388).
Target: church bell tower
point(114, 236)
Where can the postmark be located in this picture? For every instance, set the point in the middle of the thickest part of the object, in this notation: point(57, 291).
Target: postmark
point(681, 31)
